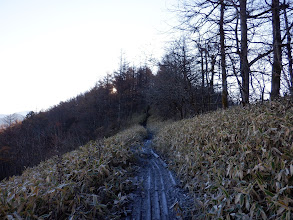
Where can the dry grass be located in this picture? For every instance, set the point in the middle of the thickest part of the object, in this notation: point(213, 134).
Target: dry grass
point(155, 124)
point(238, 163)
point(89, 183)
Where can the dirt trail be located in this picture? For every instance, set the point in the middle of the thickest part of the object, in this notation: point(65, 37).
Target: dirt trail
point(158, 195)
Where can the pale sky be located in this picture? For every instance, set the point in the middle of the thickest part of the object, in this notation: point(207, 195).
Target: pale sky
point(52, 50)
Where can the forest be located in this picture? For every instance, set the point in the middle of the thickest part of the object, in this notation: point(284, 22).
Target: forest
point(229, 52)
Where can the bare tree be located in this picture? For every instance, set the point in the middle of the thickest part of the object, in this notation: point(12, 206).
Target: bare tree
point(288, 46)
point(277, 42)
point(9, 120)
point(244, 67)
point(206, 21)
point(245, 32)
point(223, 57)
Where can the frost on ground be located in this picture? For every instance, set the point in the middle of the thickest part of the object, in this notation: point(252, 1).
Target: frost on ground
point(158, 195)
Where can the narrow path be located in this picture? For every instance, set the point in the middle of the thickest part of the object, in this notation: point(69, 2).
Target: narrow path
point(158, 195)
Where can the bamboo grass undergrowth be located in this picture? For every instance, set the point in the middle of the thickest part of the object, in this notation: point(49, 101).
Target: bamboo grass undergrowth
point(89, 183)
point(238, 163)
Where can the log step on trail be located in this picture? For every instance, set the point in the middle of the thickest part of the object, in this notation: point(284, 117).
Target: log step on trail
point(158, 195)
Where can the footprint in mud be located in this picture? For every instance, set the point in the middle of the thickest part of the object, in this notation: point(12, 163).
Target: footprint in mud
point(158, 195)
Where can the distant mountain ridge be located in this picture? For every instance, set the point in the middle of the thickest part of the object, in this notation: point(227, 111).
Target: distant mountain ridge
point(23, 113)
point(19, 116)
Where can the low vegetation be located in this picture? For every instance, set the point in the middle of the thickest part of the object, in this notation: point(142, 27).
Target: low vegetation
point(89, 183)
point(238, 163)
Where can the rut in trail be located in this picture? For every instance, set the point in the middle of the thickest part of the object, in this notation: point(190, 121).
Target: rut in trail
point(158, 195)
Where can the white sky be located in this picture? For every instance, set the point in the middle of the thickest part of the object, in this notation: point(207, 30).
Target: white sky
point(52, 50)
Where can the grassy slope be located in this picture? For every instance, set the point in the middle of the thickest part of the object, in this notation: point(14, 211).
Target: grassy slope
point(238, 162)
point(91, 182)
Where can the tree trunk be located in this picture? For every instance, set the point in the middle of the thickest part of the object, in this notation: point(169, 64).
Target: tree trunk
point(206, 66)
point(213, 63)
point(202, 67)
point(223, 58)
point(277, 62)
point(288, 46)
point(244, 67)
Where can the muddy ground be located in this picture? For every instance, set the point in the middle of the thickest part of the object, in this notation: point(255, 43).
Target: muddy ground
point(158, 193)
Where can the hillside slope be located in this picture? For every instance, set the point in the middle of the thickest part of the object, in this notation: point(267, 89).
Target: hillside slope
point(237, 162)
point(89, 183)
